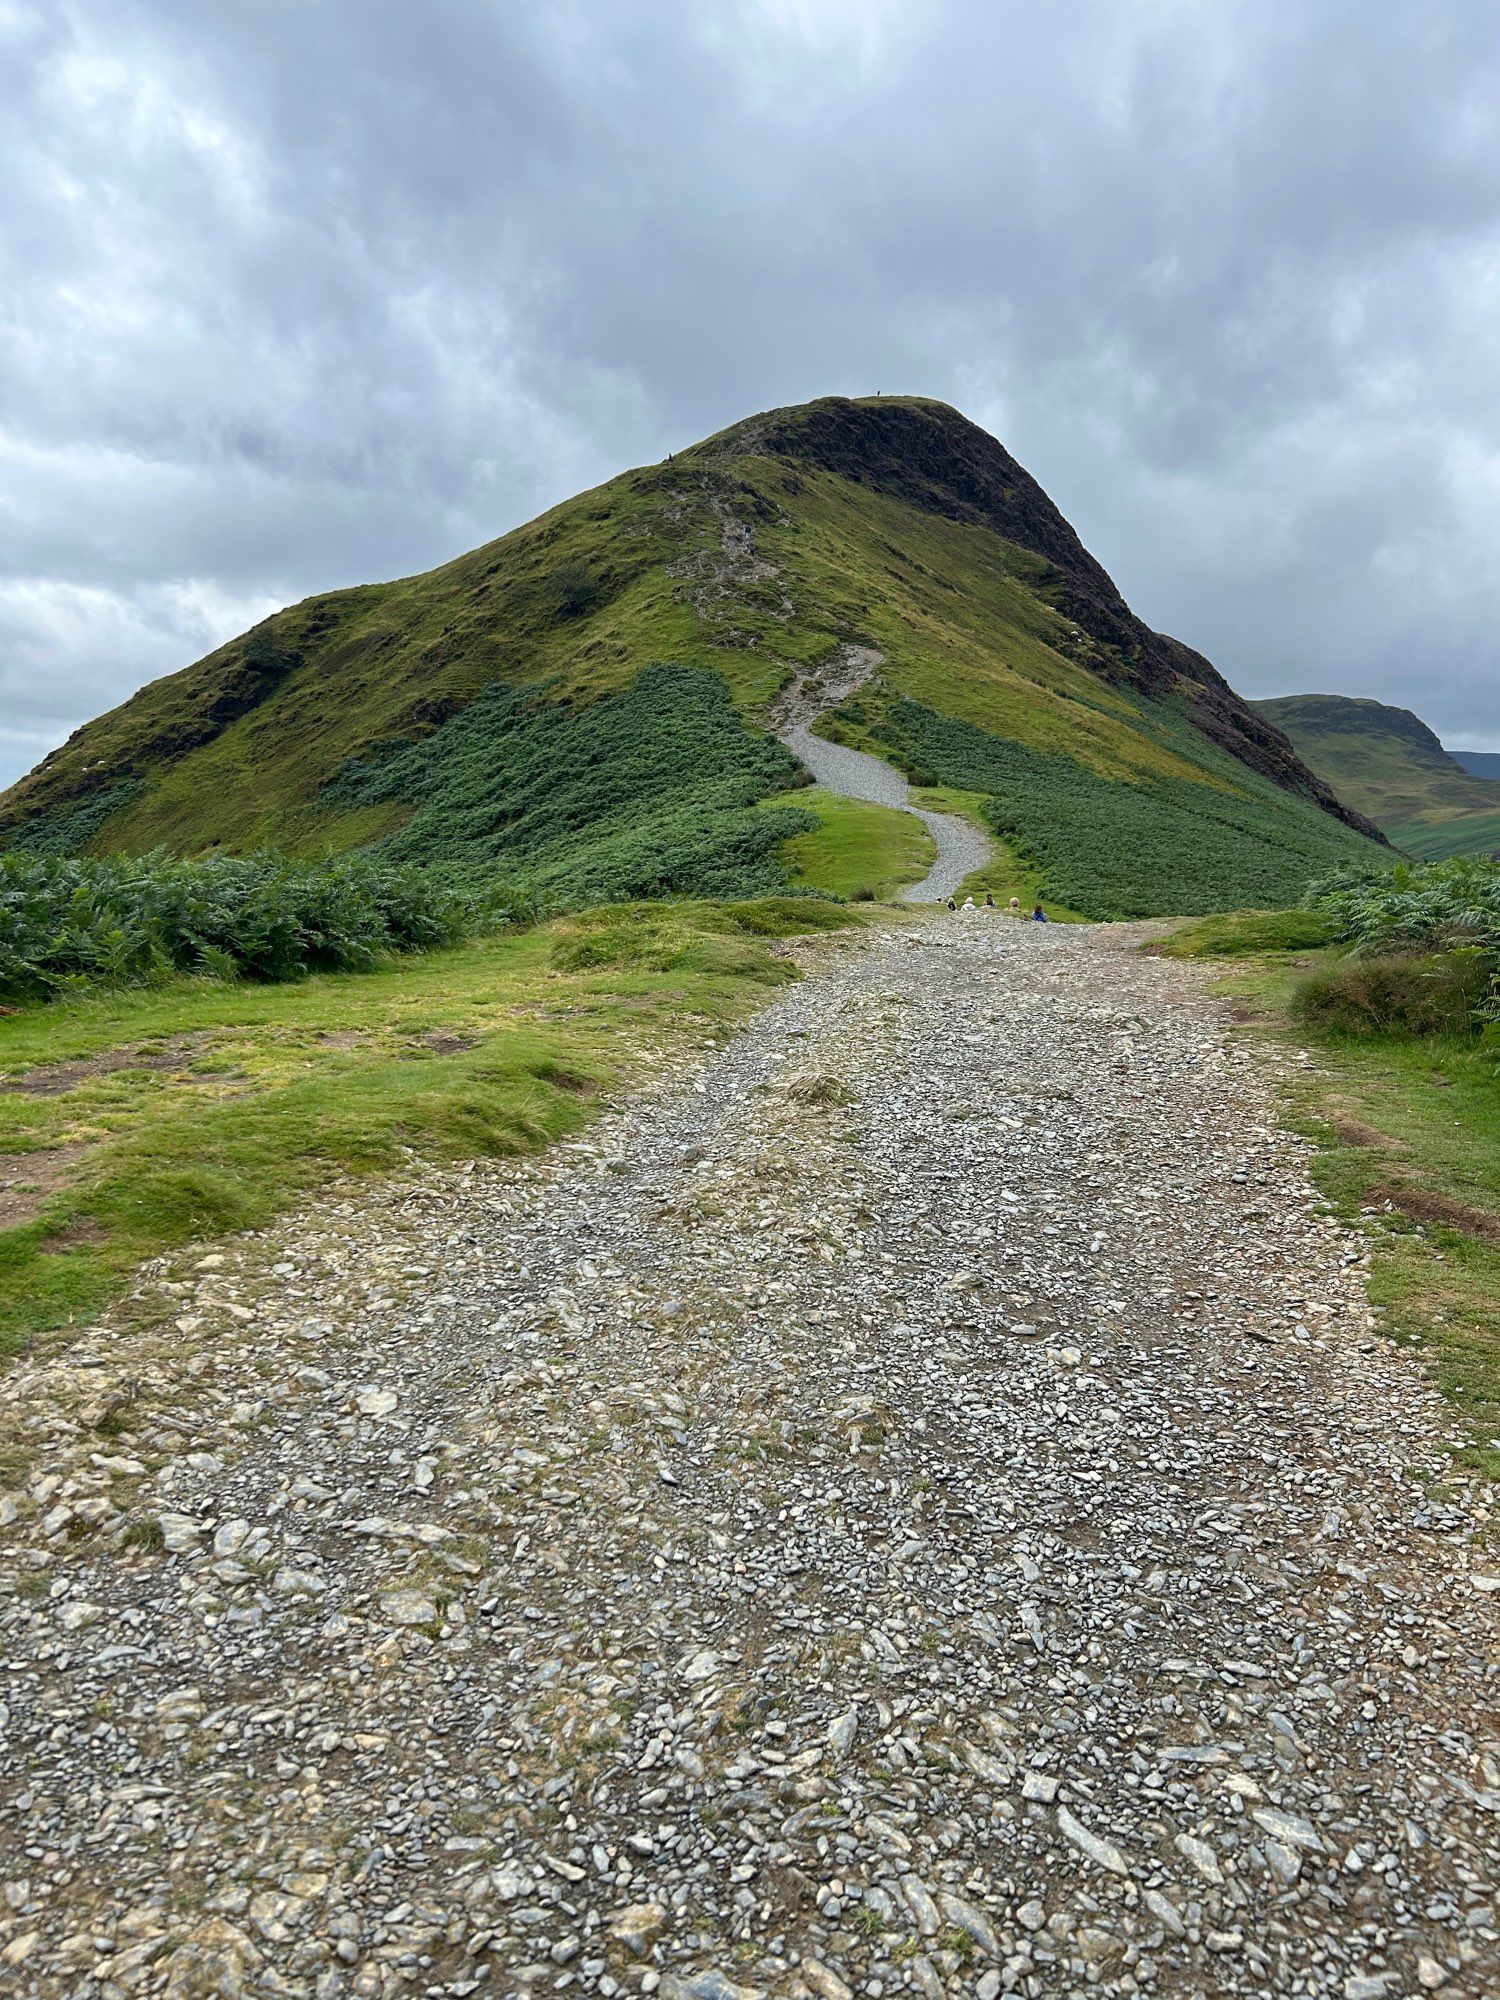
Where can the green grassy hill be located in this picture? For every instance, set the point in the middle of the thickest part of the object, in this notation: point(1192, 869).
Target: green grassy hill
point(1388, 764)
point(581, 706)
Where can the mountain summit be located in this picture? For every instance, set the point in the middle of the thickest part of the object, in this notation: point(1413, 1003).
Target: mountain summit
point(929, 456)
point(582, 706)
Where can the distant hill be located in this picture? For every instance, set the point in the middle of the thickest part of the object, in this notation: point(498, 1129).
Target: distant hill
point(1478, 763)
point(1388, 764)
point(581, 706)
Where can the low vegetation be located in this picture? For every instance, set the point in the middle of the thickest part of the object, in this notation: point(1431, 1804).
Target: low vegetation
point(1392, 978)
point(1243, 933)
point(1112, 849)
point(655, 790)
point(67, 925)
point(136, 1119)
point(1398, 993)
point(856, 850)
point(1455, 902)
point(1422, 950)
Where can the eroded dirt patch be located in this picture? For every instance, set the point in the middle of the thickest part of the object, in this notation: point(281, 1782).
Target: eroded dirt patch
point(1426, 1205)
point(28, 1181)
point(57, 1079)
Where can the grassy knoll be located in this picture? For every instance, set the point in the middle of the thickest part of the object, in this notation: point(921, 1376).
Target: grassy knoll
point(856, 850)
point(1408, 1129)
point(134, 1121)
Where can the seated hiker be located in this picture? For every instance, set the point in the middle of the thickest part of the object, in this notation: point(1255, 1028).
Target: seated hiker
point(1015, 906)
point(1039, 915)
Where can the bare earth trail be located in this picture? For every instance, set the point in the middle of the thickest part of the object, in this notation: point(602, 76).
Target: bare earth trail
point(914, 1506)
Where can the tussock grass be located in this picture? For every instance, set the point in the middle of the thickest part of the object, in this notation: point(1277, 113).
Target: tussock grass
point(1243, 933)
point(1397, 993)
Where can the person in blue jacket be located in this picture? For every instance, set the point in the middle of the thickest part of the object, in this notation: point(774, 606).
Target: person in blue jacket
point(1039, 915)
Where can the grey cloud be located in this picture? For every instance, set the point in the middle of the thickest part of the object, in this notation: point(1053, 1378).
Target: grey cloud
point(297, 296)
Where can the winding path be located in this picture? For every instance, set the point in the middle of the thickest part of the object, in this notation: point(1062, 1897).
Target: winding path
point(853, 774)
point(914, 1506)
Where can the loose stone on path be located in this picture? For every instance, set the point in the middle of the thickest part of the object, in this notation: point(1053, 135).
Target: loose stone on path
point(954, 1530)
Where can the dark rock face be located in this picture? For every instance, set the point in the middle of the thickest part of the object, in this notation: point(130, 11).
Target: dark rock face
point(930, 456)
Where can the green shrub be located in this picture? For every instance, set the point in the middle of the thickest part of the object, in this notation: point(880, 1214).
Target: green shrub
point(787, 916)
point(1414, 903)
point(644, 793)
point(670, 936)
point(1110, 849)
point(69, 924)
point(69, 829)
point(1398, 993)
point(1426, 948)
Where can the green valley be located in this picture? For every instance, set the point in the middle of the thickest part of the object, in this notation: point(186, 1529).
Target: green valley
point(1390, 766)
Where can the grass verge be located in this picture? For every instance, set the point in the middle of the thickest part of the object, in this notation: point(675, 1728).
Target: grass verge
point(858, 851)
point(135, 1121)
point(1408, 1131)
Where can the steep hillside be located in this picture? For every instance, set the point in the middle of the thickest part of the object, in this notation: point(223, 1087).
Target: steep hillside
point(581, 704)
point(1388, 764)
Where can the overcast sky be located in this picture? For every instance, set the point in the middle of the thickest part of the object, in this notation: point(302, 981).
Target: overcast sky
point(301, 293)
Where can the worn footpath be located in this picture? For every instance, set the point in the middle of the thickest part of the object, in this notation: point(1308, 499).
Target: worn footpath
point(918, 1505)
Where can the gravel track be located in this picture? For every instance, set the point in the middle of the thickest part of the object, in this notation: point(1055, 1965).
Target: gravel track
point(915, 1505)
point(961, 847)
